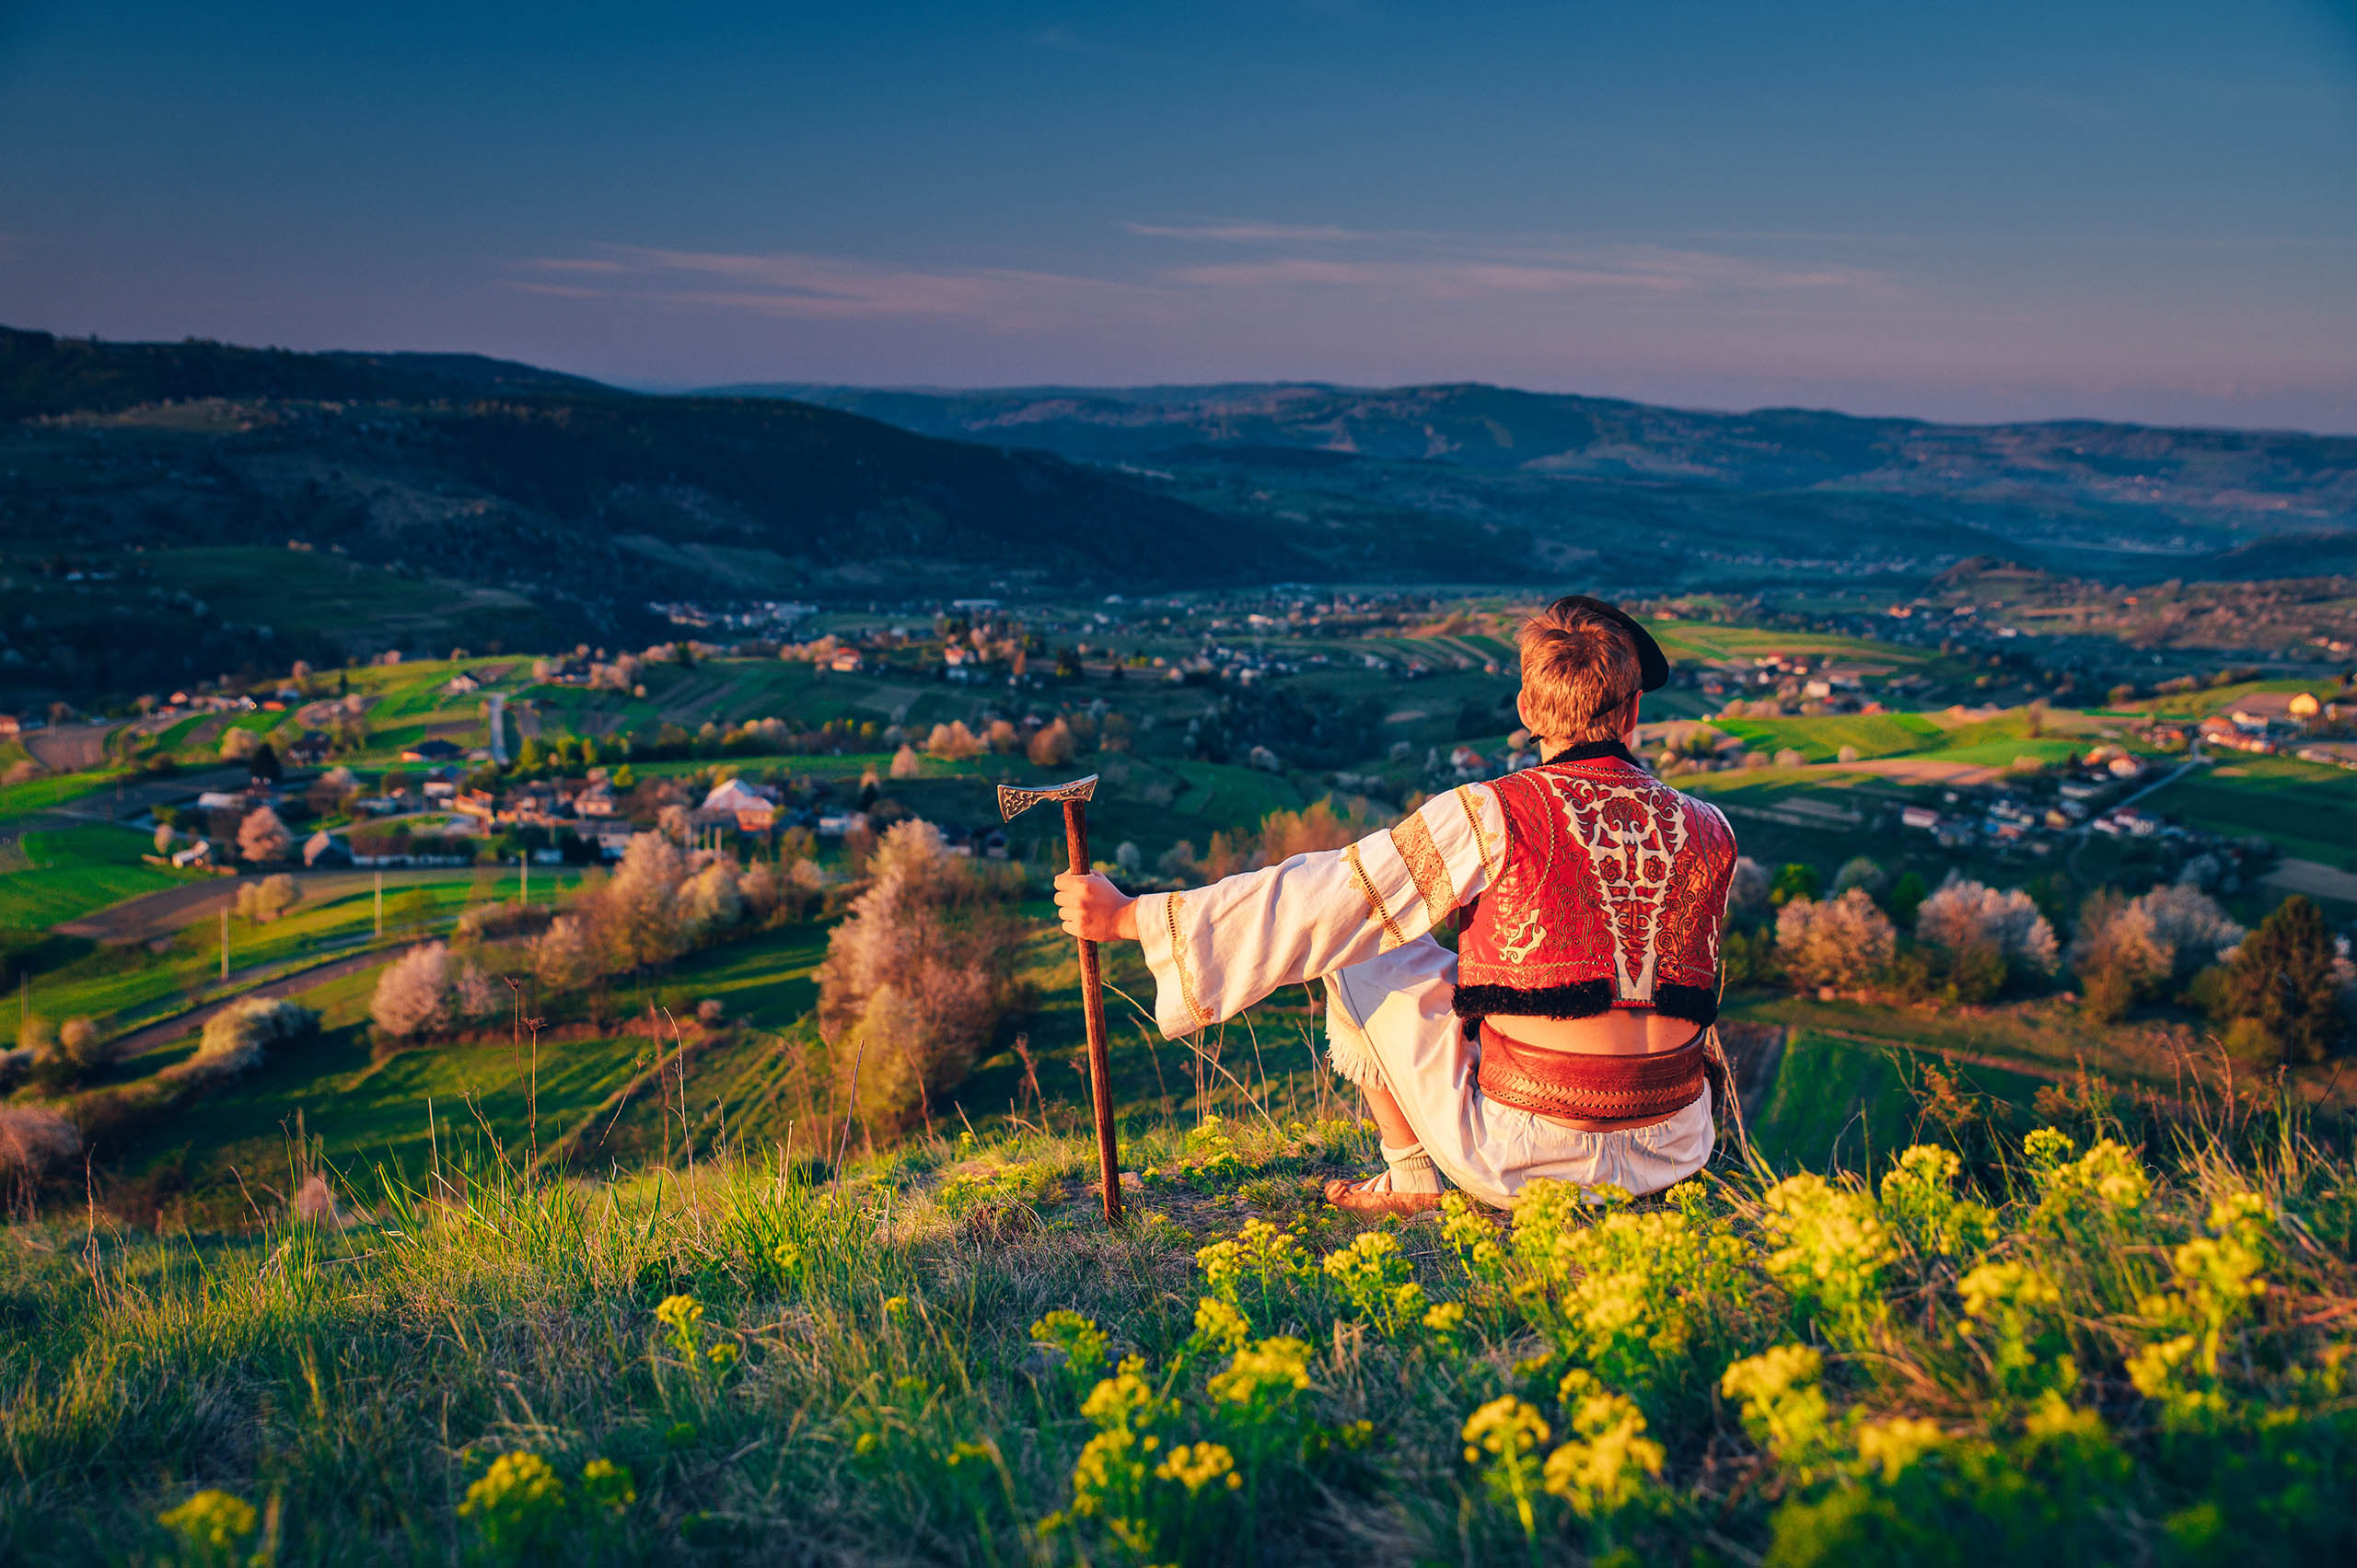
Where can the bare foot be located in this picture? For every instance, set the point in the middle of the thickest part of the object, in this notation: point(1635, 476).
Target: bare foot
point(1373, 1196)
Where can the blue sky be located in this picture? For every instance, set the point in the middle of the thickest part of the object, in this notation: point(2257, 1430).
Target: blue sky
point(2139, 210)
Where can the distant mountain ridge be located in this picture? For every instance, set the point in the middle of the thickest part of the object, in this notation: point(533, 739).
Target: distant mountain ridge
point(455, 498)
point(2250, 482)
point(43, 374)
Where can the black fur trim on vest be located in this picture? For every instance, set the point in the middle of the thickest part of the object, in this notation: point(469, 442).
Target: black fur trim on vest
point(1582, 999)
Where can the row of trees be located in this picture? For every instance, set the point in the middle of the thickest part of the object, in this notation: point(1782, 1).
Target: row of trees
point(660, 903)
point(2282, 994)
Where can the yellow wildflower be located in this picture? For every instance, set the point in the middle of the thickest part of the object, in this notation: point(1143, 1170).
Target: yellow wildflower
point(211, 1524)
point(1893, 1445)
point(1783, 1407)
point(1084, 1345)
point(1508, 1430)
point(609, 1485)
point(517, 1505)
point(1271, 1370)
point(1198, 1465)
point(1220, 1325)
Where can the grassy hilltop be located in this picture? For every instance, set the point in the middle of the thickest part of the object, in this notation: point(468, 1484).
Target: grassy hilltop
point(2064, 1351)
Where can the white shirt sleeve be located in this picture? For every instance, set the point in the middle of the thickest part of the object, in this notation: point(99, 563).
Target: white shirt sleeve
point(1216, 950)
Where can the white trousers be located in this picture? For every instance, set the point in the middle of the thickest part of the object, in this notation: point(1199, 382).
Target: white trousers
point(1391, 1020)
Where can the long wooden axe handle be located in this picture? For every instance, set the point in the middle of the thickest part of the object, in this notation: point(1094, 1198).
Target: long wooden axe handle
point(1074, 796)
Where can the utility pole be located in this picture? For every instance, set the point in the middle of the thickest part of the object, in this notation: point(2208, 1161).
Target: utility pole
point(225, 940)
point(380, 904)
point(523, 865)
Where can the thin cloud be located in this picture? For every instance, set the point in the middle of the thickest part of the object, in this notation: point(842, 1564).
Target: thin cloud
point(1253, 233)
point(798, 285)
point(1331, 262)
point(1642, 270)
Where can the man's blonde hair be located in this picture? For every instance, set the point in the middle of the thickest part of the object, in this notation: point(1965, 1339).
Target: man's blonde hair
point(1578, 667)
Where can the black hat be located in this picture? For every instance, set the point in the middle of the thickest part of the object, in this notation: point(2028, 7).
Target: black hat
point(1652, 665)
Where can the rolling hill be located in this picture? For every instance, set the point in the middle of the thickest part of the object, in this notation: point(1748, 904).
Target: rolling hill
point(1793, 484)
point(421, 500)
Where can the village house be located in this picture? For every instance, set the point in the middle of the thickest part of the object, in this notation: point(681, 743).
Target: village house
point(745, 805)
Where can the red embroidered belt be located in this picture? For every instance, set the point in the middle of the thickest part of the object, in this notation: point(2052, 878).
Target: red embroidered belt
point(1589, 1086)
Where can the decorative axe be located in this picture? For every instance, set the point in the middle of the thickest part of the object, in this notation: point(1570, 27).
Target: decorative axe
point(1011, 802)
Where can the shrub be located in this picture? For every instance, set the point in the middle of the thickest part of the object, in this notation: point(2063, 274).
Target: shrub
point(240, 1035)
point(1907, 896)
point(80, 1044)
point(564, 959)
point(2128, 951)
point(268, 899)
point(34, 1140)
point(952, 742)
point(501, 921)
point(1839, 942)
point(262, 837)
point(1979, 930)
point(2283, 978)
point(1793, 880)
point(708, 903)
point(906, 763)
point(1052, 745)
point(920, 971)
point(415, 994)
point(1862, 871)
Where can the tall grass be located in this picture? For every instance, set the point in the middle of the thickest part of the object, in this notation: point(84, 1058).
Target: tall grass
point(2070, 1350)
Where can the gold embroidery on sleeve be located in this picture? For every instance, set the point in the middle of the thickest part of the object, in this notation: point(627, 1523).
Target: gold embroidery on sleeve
point(1424, 861)
point(1481, 837)
point(1194, 1005)
point(1391, 935)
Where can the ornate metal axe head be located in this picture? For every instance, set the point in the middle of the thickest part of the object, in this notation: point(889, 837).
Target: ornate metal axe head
point(1013, 801)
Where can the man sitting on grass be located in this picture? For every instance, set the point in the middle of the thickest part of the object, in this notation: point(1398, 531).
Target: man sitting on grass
point(1567, 1039)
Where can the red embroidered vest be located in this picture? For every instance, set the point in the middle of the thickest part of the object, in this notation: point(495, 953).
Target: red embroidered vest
point(1614, 890)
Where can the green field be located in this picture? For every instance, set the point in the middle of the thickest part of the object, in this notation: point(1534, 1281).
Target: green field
point(1821, 739)
point(321, 591)
point(75, 871)
point(2207, 699)
point(1709, 642)
point(124, 984)
point(55, 789)
point(2308, 809)
point(1837, 1104)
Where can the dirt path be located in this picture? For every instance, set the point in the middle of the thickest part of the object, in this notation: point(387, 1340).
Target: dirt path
point(179, 1026)
point(69, 749)
point(160, 913)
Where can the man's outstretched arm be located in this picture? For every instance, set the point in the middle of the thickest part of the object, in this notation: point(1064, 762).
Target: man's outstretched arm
point(1216, 950)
